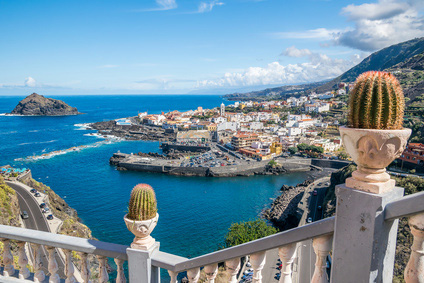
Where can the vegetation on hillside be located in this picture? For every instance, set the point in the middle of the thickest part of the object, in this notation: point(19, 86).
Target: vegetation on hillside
point(9, 206)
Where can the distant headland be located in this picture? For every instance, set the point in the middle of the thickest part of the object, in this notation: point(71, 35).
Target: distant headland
point(38, 105)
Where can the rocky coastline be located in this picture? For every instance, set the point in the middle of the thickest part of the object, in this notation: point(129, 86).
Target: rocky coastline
point(38, 105)
point(283, 211)
point(132, 132)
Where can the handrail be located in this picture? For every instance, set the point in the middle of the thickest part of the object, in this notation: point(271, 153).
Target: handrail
point(309, 231)
point(64, 242)
point(406, 206)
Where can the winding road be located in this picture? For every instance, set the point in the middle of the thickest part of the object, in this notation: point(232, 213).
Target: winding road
point(35, 221)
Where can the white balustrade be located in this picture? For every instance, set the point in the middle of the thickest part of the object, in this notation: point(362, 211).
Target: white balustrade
point(173, 276)
point(120, 276)
point(39, 275)
point(233, 267)
point(23, 261)
point(53, 266)
point(85, 269)
point(258, 261)
point(9, 270)
point(193, 275)
point(211, 272)
point(103, 276)
point(414, 271)
point(286, 254)
point(69, 267)
point(322, 247)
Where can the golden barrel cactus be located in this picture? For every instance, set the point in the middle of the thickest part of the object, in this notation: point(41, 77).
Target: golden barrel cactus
point(376, 102)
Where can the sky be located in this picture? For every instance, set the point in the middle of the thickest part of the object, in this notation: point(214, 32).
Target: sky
point(191, 47)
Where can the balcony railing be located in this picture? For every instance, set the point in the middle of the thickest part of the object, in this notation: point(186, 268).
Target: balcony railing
point(357, 256)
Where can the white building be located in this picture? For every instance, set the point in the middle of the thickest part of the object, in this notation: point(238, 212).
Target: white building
point(219, 120)
point(294, 131)
point(233, 126)
point(222, 109)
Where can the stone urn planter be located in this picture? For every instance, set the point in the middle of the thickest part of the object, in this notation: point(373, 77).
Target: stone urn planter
point(373, 150)
point(141, 230)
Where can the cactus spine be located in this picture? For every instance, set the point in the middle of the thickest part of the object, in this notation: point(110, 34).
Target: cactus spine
point(376, 102)
point(143, 205)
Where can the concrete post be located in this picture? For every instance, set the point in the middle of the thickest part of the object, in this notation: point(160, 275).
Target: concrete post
point(364, 244)
point(140, 266)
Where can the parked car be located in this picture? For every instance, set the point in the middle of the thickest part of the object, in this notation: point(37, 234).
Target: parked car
point(248, 264)
point(24, 215)
point(50, 217)
point(33, 191)
point(315, 193)
point(42, 205)
point(309, 220)
point(37, 194)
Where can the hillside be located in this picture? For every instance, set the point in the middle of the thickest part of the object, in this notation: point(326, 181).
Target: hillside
point(9, 205)
point(404, 59)
point(38, 105)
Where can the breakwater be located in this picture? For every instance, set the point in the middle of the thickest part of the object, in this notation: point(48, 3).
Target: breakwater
point(131, 162)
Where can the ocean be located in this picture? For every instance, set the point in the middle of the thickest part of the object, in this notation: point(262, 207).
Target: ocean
point(194, 212)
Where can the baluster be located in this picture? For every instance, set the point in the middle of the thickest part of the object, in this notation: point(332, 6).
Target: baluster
point(211, 272)
point(85, 269)
point(258, 261)
point(414, 271)
point(286, 254)
point(23, 261)
point(193, 275)
point(8, 270)
point(103, 276)
point(233, 267)
point(322, 247)
point(120, 276)
point(53, 266)
point(69, 267)
point(173, 275)
point(39, 275)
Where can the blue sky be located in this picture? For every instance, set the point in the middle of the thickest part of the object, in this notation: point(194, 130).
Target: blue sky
point(176, 46)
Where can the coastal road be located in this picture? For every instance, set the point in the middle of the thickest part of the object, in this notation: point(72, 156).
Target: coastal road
point(35, 221)
point(306, 256)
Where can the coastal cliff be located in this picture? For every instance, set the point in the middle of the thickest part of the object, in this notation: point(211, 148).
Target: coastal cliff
point(38, 105)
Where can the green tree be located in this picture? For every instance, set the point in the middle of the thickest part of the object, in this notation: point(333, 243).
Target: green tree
point(303, 147)
point(244, 232)
point(292, 150)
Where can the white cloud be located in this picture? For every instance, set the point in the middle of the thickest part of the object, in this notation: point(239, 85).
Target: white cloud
point(30, 82)
point(162, 5)
point(381, 24)
point(318, 67)
point(208, 6)
point(297, 53)
point(320, 33)
point(167, 4)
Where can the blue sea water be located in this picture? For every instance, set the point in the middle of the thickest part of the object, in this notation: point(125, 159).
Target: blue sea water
point(195, 212)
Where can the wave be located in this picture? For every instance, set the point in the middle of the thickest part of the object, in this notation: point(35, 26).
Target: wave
point(83, 126)
point(7, 133)
point(26, 143)
point(66, 151)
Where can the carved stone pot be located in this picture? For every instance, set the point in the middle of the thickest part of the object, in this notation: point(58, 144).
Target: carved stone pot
point(373, 150)
point(141, 230)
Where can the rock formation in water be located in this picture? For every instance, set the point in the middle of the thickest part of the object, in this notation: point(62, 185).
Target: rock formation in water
point(39, 105)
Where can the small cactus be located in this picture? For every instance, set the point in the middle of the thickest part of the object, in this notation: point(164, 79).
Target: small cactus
point(376, 102)
point(143, 205)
